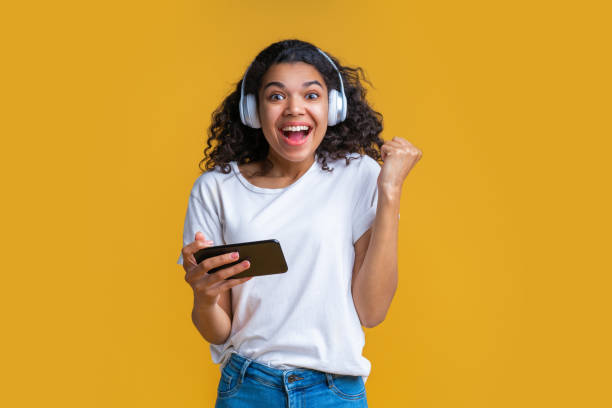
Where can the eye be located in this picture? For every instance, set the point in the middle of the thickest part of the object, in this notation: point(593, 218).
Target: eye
point(273, 95)
point(312, 93)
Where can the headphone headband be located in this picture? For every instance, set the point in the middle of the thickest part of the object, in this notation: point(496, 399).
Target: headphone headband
point(336, 68)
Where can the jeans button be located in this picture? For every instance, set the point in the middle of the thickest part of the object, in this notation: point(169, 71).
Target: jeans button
point(293, 378)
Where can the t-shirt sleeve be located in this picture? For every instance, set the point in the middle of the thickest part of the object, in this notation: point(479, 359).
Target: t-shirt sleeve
point(366, 197)
point(202, 216)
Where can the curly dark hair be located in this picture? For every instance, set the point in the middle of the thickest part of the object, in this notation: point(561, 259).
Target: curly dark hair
point(234, 141)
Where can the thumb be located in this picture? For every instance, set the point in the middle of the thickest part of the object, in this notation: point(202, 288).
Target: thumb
point(199, 236)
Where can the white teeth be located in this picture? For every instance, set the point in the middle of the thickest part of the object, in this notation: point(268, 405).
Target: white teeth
point(295, 128)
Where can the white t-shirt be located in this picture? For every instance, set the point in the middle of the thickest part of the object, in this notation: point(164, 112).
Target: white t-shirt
point(304, 317)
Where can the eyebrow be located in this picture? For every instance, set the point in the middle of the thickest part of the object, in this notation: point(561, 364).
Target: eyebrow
point(282, 86)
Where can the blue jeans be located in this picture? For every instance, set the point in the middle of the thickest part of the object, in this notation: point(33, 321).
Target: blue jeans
point(246, 383)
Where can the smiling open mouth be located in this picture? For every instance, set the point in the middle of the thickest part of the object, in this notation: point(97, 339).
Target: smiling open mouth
point(297, 135)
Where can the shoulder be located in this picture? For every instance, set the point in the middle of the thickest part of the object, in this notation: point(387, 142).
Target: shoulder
point(210, 182)
point(353, 158)
point(359, 164)
point(369, 163)
point(360, 171)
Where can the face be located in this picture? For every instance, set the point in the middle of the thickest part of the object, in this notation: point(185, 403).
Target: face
point(293, 94)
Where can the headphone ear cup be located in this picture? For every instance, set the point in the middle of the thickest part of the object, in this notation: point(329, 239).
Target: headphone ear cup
point(242, 109)
point(251, 115)
point(332, 111)
point(337, 108)
point(344, 109)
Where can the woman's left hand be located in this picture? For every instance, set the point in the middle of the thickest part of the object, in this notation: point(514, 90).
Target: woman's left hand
point(399, 157)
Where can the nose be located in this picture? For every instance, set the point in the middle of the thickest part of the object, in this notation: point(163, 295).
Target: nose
point(294, 106)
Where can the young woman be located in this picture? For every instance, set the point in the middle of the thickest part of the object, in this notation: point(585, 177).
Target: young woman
point(295, 157)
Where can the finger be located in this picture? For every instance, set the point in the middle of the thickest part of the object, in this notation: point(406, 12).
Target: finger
point(225, 285)
point(388, 145)
point(394, 143)
point(400, 140)
point(230, 283)
point(225, 273)
point(214, 280)
point(193, 247)
point(210, 263)
point(212, 290)
point(216, 261)
point(399, 147)
point(412, 151)
point(386, 150)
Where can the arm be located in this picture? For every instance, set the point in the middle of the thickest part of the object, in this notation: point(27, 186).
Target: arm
point(375, 269)
point(212, 303)
point(213, 322)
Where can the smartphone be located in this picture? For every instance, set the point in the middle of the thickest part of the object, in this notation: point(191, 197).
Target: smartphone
point(266, 257)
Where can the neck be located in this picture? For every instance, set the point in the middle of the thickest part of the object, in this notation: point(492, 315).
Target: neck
point(287, 169)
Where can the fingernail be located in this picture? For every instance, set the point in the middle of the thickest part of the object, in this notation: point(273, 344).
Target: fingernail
point(246, 263)
point(235, 255)
point(209, 242)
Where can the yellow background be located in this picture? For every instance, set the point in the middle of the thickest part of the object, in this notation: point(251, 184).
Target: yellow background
point(504, 292)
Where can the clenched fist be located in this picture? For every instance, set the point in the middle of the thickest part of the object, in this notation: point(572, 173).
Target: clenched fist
point(399, 157)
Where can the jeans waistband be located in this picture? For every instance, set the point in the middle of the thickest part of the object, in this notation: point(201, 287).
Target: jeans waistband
point(284, 379)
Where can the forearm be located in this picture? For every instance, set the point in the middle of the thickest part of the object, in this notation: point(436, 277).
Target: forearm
point(212, 322)
point(376, 281)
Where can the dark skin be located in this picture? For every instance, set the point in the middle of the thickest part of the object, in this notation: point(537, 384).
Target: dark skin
point(290, 92)
point(375, 268)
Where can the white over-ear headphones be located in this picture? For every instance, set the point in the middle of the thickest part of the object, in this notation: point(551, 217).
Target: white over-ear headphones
point(337, 103)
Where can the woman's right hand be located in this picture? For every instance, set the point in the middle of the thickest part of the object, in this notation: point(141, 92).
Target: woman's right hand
point(207, 287)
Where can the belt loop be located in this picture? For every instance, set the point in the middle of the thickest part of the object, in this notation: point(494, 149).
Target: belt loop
point(330, 382)
point(245, 365)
